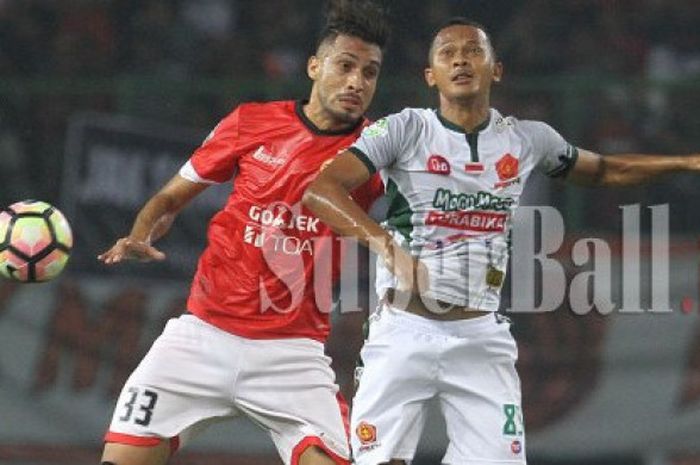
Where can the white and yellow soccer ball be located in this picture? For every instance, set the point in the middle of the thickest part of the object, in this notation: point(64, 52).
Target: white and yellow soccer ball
point(35, 241)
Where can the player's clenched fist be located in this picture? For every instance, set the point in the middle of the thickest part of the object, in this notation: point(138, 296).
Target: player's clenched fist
point(411, 273)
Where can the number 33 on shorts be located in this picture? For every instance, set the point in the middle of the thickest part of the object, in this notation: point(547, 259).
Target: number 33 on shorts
point(139, 405)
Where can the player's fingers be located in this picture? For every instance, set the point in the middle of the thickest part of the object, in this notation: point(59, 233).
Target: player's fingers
point(108, 256)
point(422, 277)
point(114, 254)
point(405, 279)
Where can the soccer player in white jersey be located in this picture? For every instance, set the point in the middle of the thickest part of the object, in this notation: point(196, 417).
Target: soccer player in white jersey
point(454, 177)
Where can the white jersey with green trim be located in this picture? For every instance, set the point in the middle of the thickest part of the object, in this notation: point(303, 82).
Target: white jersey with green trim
point(452, 194)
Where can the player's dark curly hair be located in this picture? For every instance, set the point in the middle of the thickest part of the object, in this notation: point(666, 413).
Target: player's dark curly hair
point(459, 21)
point(358, 18)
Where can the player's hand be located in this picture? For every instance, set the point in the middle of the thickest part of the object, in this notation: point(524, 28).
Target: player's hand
point(130, 249)
point(411, 273)
point(694, 162)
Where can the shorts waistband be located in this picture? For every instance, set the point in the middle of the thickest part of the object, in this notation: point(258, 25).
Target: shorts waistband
point(456, 328)
point(429, 307)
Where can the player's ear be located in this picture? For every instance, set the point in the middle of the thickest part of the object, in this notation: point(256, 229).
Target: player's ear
point(429, 78)
point(312, 67)
point(497, 71)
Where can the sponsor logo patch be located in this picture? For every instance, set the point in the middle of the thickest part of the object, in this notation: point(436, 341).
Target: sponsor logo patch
point(503, 123)
point(446, 200)
point(268, 226)
point(510, 182)
point(437, 164)
point(476, 221)
point(262, 155)
point(516, 447)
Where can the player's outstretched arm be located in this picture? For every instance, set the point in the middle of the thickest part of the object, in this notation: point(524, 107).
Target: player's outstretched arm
point(152, 222)
point(592, 169)
point(328, 197)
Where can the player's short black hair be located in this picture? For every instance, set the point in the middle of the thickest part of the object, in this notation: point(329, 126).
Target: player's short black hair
point(459, 21)
point(363, 19)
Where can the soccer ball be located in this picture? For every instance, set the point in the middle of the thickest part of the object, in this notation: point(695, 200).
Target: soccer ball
point(35, 241)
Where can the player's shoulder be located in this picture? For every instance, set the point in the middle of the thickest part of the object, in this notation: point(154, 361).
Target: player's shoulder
point(416, 115)
point(394, 124)
point(266, 108)
point(253, 117)
point(408, 117)
point(515, 123)
point(525, 128)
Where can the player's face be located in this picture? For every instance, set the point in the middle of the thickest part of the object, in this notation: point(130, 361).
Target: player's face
point(462, 64)
point(345, 76)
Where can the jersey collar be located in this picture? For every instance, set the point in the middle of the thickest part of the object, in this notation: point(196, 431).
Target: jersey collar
point(450, 125)
point(299, 110)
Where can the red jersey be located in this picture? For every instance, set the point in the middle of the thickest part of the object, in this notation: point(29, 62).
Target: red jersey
point(269, 266)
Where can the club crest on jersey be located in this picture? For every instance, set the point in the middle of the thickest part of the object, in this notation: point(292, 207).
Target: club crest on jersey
point(437, 164)
point(366, 432)
point(507, 167)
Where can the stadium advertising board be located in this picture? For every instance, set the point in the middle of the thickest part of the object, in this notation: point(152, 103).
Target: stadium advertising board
point(113, 165)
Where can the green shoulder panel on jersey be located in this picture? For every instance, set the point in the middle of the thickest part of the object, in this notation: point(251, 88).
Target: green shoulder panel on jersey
point(399, 212)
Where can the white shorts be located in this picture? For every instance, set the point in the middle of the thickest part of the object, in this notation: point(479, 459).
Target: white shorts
point(467, 365)
point(196, 373)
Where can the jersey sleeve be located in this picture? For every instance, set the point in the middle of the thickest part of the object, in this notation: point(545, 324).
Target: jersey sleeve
point(556, 156)
point(216, 159)
point(382, 142)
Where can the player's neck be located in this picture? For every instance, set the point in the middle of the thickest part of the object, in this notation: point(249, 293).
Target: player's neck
point(467, 114)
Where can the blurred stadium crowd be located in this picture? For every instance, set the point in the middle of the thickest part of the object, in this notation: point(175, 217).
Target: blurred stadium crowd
point(613, 75)
point(271, 39)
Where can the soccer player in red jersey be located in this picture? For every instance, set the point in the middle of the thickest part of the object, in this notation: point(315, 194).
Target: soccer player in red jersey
point(252, 340)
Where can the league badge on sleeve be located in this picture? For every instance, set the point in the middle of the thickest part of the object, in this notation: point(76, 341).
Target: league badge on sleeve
point(378, 128)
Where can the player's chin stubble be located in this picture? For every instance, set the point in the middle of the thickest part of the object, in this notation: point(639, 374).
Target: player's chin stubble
point(342, 115)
